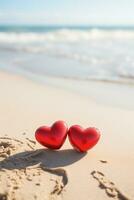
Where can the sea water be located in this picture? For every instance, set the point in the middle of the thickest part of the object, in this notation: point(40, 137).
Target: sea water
point(85, 53)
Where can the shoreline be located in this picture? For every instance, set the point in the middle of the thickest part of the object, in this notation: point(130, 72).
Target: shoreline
point(26, 105)
point(102, 92)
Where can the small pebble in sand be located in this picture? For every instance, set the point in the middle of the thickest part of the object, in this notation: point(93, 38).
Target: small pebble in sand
point(38, 184)
point(16, 187)
point(103, 161)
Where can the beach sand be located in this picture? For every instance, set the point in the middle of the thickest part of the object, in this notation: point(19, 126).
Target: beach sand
point(29, 171)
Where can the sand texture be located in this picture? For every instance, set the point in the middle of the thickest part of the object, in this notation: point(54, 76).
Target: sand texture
point(24, 173)
point(29, 171)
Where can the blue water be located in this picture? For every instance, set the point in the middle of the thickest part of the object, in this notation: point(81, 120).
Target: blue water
point(40, 28)
point(85, 53)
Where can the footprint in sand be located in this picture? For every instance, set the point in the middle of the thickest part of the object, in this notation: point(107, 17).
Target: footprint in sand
point(108, 186)
point(23, 174)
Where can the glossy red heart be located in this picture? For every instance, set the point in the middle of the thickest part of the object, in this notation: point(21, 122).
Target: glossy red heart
point(83, 139)
point(52, 137)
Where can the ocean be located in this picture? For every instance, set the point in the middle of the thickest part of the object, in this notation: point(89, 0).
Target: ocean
point(75, 52)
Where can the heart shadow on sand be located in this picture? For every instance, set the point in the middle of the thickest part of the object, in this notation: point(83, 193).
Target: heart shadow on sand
point(45, 157)
point(42, 159)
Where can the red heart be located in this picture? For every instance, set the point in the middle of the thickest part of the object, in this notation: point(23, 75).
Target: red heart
point(52, 137)
point(83, 139)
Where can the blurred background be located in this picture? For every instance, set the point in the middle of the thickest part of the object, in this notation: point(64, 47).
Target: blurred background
point(71, 40)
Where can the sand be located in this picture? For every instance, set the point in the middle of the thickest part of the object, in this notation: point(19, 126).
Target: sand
point(29, 171)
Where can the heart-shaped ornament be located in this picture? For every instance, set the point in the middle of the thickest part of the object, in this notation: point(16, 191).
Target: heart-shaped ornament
point(83, 139)
point(52, 137)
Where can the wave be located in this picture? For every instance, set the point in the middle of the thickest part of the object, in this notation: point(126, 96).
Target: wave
point(122, 80)
point(65, 35)
point(100, 54)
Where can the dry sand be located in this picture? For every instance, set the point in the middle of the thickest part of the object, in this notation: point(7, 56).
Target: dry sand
point(28, 171)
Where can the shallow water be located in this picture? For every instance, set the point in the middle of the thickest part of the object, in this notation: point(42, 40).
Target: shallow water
point(71, 52)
